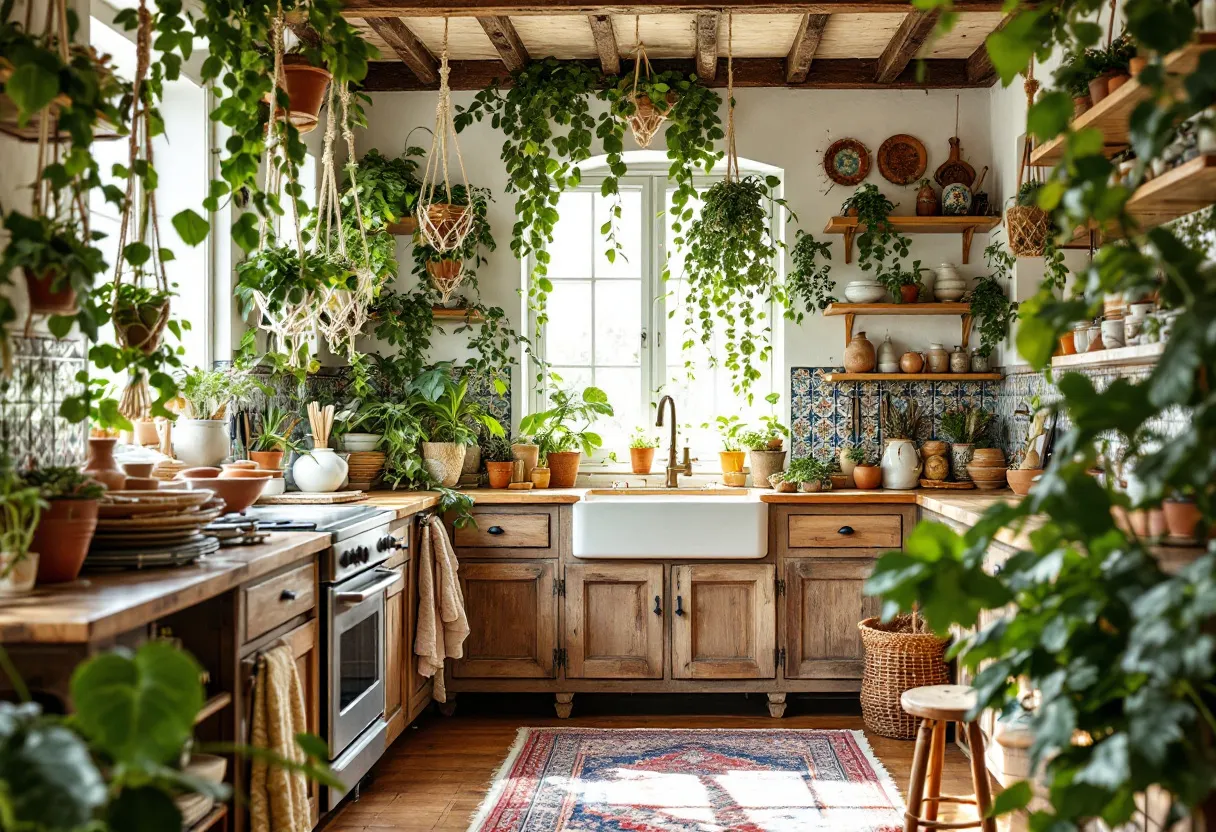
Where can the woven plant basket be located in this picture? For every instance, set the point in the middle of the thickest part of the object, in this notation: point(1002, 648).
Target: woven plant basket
point(1027, 227)
point(897, 660)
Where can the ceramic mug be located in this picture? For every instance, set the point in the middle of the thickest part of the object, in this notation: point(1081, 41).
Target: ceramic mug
point(1113, 333)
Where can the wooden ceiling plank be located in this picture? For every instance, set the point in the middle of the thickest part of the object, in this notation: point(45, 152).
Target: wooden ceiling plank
point(412, 52)
point(979, 65)
point(605, 43)
point(824, 73)
point(514, 8)
point(798, 62)
point(506, 40)
point(707, 45)
point(908, 40)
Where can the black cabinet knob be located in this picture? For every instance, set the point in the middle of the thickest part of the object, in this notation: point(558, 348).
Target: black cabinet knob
point(658, 607)
point(495, 530)
point(679, 605)
point(845, 530)
point(287, 595)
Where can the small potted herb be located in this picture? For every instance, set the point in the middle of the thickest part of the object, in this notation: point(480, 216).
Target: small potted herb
point(21, 506)
point(850, 457)
point(448, 423)
point(641, 451)
point(731, 456)
point(200, 434)
point(964, 427)
point(904, 284)
point(66, 526)
point(867, 474)
point(274, 440)
point(811, 474)
point(499, 461)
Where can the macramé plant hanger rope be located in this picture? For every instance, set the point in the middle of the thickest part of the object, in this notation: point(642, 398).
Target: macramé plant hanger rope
point(732, 155)
point(443, 225)
point(647, 118)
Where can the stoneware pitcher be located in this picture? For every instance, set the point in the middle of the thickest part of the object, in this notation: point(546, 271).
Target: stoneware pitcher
point(900, 465)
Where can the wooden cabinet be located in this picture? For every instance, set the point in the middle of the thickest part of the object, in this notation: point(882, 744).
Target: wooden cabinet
point(845, 531)
point(824, 602)
point(396, 654)
point(279, 599)
point(512, 612)
point(416, 687)
point(614, 621)
point(513, 532)
point(724, 621)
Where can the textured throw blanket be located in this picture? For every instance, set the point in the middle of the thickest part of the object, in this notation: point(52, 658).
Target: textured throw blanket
point(442, 625)
point(278, 799)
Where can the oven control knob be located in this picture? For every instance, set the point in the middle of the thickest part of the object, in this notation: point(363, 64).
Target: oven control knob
point(346, 559)
point(364, 554)
point(380, 545)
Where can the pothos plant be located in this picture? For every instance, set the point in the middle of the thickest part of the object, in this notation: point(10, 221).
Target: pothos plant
point(1117, 648)
point(989, 303)
point(877, 239)
point(811, 281)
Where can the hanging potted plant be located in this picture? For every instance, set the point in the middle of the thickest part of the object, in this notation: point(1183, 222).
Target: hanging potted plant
point(1027, 226)
point(304, 85)
point(811, 281)
point(641, 451)
point(66, 526)
point(57, 261)
point(563, 444)
point(991, 307)
point(21, 506)
point(644, 101)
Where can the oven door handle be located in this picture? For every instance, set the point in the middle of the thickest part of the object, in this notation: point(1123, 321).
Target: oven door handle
point(367, 592)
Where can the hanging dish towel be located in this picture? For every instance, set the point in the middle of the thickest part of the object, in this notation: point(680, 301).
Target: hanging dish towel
point(278, 799)
point(442, 625)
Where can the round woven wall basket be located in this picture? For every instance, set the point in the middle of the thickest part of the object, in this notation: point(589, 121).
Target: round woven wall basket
point(897, 660)
point(1027, 227)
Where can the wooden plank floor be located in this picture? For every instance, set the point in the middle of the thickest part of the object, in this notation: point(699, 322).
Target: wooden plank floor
point(436, 774)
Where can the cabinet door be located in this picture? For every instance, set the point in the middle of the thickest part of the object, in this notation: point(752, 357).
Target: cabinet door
point(614, 622)
point(824, 603)
point(306, 648)
point(512, 611)
point(724, 622)
point(417, 690)
point(394, 659)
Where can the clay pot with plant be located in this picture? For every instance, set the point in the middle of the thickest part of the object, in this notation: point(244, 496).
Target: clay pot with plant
point(304, 82)
point(904, 284)
point(1184, 520)
point(21, 508)
point(564, 433)
point(641, 451)
point(850, 457)
point(867, 475)
point(274, 441)
point(449, 420)
point(65, 528)
point(811, 474)
point(499, 461)
point(965, 428)
point(58, 262)
point(732, 456)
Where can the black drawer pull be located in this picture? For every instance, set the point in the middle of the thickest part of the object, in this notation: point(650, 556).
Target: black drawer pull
point(845, 530)
point(496, 530)
point(287, 595)
point(658, 608)
point(679, 605)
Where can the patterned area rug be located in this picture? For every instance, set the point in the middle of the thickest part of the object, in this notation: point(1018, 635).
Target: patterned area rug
point(652, 780)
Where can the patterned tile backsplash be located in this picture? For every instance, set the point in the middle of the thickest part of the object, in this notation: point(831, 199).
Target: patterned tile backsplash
point(44, 374)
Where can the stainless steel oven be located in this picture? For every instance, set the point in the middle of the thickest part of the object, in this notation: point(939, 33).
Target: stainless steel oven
point(355, 614)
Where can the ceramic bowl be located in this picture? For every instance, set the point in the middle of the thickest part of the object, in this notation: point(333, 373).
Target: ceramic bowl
point(355, 442)
point(987, 479)
point(198, 473)
point(238, 493)
point(275, 487)
point(948, 294)
point(1021, 480)
point(244, 473)
point(143, 483)
point(209, 767)
point(988, 457)
point(865, 291)
point(138, 469)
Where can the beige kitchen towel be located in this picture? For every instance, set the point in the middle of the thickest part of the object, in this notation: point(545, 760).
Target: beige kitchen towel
point(278, 799)
point(442, 625)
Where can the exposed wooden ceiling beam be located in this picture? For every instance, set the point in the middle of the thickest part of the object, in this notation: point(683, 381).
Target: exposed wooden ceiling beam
point(605, 43)
point(707, 45)
point(824, 73)
point(505, 39)
point(979, 65)
point(412, 52)
point(905, 43)
point(798, 62)
point(513, 8)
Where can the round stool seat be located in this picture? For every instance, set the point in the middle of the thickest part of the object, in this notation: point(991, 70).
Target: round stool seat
point(949, 703)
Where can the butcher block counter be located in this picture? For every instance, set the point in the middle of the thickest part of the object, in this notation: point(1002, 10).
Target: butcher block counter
point(100, 606)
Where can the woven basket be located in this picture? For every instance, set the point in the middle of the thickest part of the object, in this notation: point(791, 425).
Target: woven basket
point(1027, 227)
point(897, 660)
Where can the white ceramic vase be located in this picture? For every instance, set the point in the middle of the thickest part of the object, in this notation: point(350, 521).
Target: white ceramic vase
point(950, 285)
point(444, 461)
point(201, 442)
point(865, 291)
point(17, 578)
point(846, 466)
point(900, 465)
point(319, 472)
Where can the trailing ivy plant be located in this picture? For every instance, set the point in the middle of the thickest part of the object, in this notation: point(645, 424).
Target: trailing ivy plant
point(876, 239)
point(811, 281)
point(990, 306)
point(1119, 650)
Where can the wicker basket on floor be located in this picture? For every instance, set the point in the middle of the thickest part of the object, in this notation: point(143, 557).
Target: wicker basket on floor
point(897, 659)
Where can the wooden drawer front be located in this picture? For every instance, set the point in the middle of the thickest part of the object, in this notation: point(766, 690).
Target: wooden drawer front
point(845, 531)
point(508, 530)
point(281, 598)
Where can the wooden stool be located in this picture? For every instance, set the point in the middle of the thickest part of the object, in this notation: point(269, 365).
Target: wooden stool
point(937, 705)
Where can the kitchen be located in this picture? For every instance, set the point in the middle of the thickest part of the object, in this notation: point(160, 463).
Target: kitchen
point(408, 493)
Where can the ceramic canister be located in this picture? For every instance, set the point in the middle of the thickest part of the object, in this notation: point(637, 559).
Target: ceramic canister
point(960, 360)
point(1080, 336)
point(956, 199)
point(938, 358)
point(1113, 333)
point(886, 353)
point(901, 464)
point(980, 363)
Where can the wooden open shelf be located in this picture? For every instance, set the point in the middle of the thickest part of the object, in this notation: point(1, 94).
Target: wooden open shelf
point(966, 226)
point(212, 818)
point(443, 313)
point(1141, 354)
point(213, 706)
point(1112, 114)
point(835, 378)
point(405, 228)
point(851, 310)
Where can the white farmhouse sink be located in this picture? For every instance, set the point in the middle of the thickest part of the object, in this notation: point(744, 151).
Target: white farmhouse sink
point(651, 526)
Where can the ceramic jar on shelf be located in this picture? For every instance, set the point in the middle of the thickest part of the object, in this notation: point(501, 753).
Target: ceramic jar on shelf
point(865, 291)
point(911, 362)
point(950, 285)
point(980, 363)
point(938, 359)
point(888, 358)
point(960, 360)
point(859, 355)
point(101, 464)
point(1113, 333)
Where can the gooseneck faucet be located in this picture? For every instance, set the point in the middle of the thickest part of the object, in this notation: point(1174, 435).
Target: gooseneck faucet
point(673, 470)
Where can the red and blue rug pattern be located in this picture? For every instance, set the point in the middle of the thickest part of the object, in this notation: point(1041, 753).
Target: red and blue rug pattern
point(676, 780)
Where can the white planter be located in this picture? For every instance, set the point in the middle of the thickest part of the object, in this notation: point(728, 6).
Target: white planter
point(201, 442)
point(443, 460)
point(19, 580)
point(355, 442)
point(865, 291)
point(846, 466)
point(320, 472)
point(900, 465)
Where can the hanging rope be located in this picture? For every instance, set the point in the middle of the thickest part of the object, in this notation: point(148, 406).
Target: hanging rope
point(646, 118)
point(443, 225)
point(732, 156)
point(1027, 226)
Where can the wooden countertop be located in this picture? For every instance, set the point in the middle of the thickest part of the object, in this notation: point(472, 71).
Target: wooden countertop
point(853, 496)
point(103, 605)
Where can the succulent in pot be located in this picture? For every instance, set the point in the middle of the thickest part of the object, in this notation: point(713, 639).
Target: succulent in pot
point(499, 460)
point(901, 463)
point(66, 525)
point(274, 441)
point(562, 441)
point(965, 427)
point(21, 507)
point(641, 451)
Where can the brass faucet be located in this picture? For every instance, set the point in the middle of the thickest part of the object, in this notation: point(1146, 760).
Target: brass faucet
point(673, 470)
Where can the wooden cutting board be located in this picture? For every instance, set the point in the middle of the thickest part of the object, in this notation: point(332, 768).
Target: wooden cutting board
point(311, 498)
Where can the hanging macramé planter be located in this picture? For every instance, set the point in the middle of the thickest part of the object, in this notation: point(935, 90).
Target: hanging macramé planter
point(447, 274)
point(305, 85)
point(1027, 226)
point(442, 223)
point(646, 118)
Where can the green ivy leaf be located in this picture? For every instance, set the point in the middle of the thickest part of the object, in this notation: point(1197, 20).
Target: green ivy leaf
point(137, 253)
point(1015, 796)
point(191, 227)
point(31, 87)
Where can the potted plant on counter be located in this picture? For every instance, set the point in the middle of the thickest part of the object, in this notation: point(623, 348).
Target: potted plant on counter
point(65, 528)
point(200, 434)
point(964, 427)
point(641, 451)
point(766, 445)
point(867, 474)
point(499, 460)
point(904, 284)
point(274, 441)
point(731, 456)
point(850, 457)
point(810, 474)
point(21, 507)
point(901, 464)
point(448, 423)
point(561, 444)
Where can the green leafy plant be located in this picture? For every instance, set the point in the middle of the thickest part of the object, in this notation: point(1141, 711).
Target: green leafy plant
point(967, 425)
point(21, 505)
point(207, 393)
point(278, 427)
point(641, 439)
point(876, 239)
point(856, 454)
point(46, 247)
point(811, 281)
point(453, 417)
point(808, 469)
point(62, 483)
point(900, 422)
point(496, 449)
point(729, 429)
point(565, 425)
point(899, 277)
point(989, 304)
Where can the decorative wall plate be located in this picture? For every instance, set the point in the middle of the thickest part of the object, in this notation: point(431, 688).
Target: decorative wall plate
point(847, 162)
point(902, 159)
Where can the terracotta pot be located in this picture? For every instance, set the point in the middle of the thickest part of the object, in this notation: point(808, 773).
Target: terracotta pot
point(443, 269)
point(810, 487)
point(781, 485)
point(911, 362)
point(529, 454)
point(138, 469)
point(62, 539)
point(1183, 520)
point(764, 464)
point(47, 301)
point(1067, 345)
point(732, 461)
point(934, 447)
point(445, 216)
point(840, 481)
point(1021, 479)
point(540, 477)
point(1099, 88)
point(926, 201)
point(305, 85)
point(268, 460)
point(867, 477)
point(641, 460)
point(563, 468)
point(1137, 65)
point(909, 294)
point(101, 465)
point(142, 484)
point(859, 355)
point(735, 479)
point(1117, 81)
point(1080, 105)
point(499, 473)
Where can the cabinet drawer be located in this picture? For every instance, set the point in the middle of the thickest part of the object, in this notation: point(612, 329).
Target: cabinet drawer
point(507, 530)
point(276, 600)
point(845, 531)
